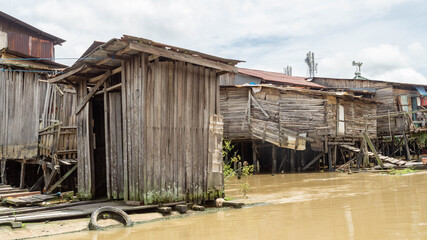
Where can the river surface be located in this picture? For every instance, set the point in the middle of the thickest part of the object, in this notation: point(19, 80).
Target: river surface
point(302, 206)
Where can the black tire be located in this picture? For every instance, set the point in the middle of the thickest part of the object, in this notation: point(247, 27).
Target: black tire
point(110, 213)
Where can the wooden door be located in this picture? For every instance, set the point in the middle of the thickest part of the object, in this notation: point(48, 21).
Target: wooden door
point(114, 145)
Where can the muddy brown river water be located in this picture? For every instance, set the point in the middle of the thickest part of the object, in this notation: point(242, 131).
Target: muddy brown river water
point(302, 206)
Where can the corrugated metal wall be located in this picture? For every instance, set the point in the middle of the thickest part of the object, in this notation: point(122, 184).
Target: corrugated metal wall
point(28, 45)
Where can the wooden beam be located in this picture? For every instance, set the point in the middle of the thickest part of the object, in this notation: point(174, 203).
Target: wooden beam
point(153, 57)
point(50, 179)
point(65, 75)
point(62, 179)
point(371, 146)
point(182, 57)
point(118, 57)
point(312, 161)
point(99, 77)
point(104, 77)
point(259, 106)
point(123, 51)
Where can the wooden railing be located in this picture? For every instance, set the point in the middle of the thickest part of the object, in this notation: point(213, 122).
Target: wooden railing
point(58, 142)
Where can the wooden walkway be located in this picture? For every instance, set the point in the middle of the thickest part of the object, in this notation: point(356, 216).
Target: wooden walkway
point(394, 161)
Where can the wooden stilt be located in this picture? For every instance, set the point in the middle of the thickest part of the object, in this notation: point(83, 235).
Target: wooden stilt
point(335, 156)
point(255, 160)
point(293, 160)
point(273, 158)
point(303, 158)
point(330, 159)
point(22, 178)
point(408, 152)
point(3, 171)
point(282, 164)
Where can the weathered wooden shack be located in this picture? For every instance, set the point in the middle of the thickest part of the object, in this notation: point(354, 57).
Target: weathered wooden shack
point(29, 104)
point(393, 98)
point(401, 113)
point(292, 117)
point(148, 121)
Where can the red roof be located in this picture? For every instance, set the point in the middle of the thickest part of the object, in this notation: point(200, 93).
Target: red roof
point(279, 78)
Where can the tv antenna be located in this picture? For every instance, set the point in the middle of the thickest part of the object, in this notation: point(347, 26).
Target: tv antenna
point(358, 65)
point(312, 65)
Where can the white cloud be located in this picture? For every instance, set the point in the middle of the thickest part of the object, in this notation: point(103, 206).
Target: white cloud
point(403, 75)
point(267, 34)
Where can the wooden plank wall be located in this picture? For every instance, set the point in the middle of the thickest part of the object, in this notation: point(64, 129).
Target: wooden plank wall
point(85, 160)
point(354, 110)
point(20, 97)
point(302, 112)
point(227, 79)
point(234, 104)
point(166, 110)
point(262, 127)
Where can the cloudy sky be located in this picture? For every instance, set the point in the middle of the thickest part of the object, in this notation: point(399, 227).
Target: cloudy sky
point(388, 36)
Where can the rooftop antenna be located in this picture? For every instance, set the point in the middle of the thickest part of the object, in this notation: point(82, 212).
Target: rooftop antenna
point(312, 65)
point(288, 70)
point(358, 72)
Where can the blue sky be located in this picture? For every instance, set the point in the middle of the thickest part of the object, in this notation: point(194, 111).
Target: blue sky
point(388, 36)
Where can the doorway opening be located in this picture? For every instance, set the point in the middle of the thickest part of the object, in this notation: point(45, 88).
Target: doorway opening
point(100, 169)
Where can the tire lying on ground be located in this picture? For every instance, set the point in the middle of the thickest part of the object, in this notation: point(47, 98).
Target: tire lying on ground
point(109, 213)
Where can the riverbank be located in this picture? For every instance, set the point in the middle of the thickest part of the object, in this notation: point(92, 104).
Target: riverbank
point(310, 200)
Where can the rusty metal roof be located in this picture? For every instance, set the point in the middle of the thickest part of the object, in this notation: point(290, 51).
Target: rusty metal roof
point(280, 78)
point(55, 40)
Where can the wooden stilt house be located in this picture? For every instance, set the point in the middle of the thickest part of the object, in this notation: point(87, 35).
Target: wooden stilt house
point(401, 117)
point(32, 110)
point(148, 121)
point(294, 118)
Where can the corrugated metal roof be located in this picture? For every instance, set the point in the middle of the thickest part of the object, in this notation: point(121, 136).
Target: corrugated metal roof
point(279, 78)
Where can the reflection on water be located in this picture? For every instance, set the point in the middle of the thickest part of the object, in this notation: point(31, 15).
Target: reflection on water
point(303, 206)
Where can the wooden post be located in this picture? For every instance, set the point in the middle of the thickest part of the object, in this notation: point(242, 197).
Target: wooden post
point(255, 161)
point(273, 158)
point(335, 156)
point(3, 171)
point(408, 153)
point(368, 141)
point(282, 164)
point(303, 158)
point(22, 179)
point(293, 160)
point(330, 159)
